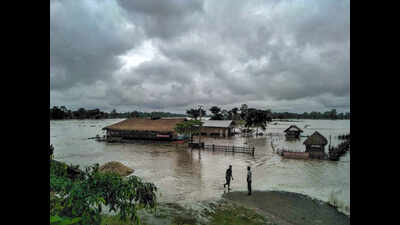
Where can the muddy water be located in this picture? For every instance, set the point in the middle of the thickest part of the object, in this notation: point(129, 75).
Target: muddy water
point(187, 176)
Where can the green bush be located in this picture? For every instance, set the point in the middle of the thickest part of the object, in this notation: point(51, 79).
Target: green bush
point(84, 198)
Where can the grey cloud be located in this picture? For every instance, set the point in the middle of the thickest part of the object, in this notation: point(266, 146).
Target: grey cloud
point(279, 53)
point(163, 19)
point(85, 41)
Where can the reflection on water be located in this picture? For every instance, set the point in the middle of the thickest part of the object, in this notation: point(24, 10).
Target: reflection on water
point(185, 175)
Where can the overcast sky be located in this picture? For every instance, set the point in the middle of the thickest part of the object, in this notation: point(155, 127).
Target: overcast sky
point(158, 55)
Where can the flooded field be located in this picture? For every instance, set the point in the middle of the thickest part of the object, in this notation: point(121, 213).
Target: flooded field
point(186, 176)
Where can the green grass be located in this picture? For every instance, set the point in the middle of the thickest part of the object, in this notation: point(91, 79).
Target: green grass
point(114, 220)
point(224, 214)
point(237, 215)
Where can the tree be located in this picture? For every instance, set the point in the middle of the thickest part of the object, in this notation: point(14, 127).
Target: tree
point(333, 114)
point(243, 111)
point(82, 199)
point(234, 113)
point(216, 111)
point(113, 113)
point(81, 113)
point(225, 114)
point(188, 128)
point(135, 114)
point(195, 113)
point(257, 118)
point(268, 115)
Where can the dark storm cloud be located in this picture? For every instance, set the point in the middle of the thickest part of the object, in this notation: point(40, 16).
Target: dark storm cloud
point(163, 19)
point(85, 39)
point(286, 55)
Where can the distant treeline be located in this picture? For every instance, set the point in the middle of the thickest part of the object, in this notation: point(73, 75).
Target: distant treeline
point(242, 113)
point(216, 114)
point(62, 112)
point(312, 115)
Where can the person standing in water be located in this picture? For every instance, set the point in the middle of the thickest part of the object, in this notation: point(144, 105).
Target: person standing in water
point(249, 180)
point(228, 176)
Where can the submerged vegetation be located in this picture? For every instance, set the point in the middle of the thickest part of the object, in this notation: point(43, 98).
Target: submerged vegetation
point(81, 199)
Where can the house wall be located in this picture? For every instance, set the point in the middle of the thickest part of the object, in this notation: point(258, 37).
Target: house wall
point(316, 151)
point(315, 148)
point(142, 135)
point(317, 154)
point(218, 131)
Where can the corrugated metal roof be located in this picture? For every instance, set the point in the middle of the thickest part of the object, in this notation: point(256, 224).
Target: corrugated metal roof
point(217, 123)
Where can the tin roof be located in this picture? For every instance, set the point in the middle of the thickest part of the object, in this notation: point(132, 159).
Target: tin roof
point(217, 123)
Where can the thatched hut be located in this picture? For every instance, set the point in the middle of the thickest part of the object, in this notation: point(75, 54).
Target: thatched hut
point(293, 132)
point(315, 145)
point(162, 129)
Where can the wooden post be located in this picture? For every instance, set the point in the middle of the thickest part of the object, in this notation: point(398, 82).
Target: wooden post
point(200, 124)
point(213, 147)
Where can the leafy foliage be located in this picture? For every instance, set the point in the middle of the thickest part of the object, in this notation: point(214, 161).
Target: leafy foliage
point(85, 198)
point(195, 113)
point(217, 114)
point(189, 127)
point(257, 118)
point(82, 113)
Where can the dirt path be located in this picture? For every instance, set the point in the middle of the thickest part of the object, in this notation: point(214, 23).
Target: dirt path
point(286, 208)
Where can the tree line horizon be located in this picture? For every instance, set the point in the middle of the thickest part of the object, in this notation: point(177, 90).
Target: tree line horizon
point(216, 113)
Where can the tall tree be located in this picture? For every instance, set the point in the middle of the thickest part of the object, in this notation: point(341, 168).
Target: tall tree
point(188, 128)
point(233, 113)
point(225, 114)
point(195, 113)
point(257, 118)
point(216, 111)
point(243, 111)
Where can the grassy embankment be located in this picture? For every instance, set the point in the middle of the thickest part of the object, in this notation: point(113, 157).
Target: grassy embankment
point(223, 214)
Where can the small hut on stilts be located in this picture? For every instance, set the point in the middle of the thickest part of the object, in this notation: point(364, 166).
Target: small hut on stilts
point(293, 132)
point(315, 145)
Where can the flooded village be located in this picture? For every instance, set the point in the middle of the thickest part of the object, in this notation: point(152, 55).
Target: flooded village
point(199, 112)
point(188, 164)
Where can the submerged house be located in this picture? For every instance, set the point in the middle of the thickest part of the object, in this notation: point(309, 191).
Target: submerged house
point(162, 129)
point(315, 145)
point(293, 132)
point(217, 128)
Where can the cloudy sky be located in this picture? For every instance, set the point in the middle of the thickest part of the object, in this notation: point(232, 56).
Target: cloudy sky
point(158, 55)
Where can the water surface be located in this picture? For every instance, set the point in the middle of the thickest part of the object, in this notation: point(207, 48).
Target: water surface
point(186, 176)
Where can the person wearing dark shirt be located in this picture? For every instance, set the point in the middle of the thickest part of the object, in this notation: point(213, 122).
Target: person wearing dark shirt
point(228, 176)
point(51, 151)
point(249, 180)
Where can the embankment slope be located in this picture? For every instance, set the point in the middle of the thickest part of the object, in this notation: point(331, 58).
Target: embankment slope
point(288, 208)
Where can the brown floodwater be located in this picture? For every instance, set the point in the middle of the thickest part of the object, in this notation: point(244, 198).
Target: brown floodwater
point(186, 176)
